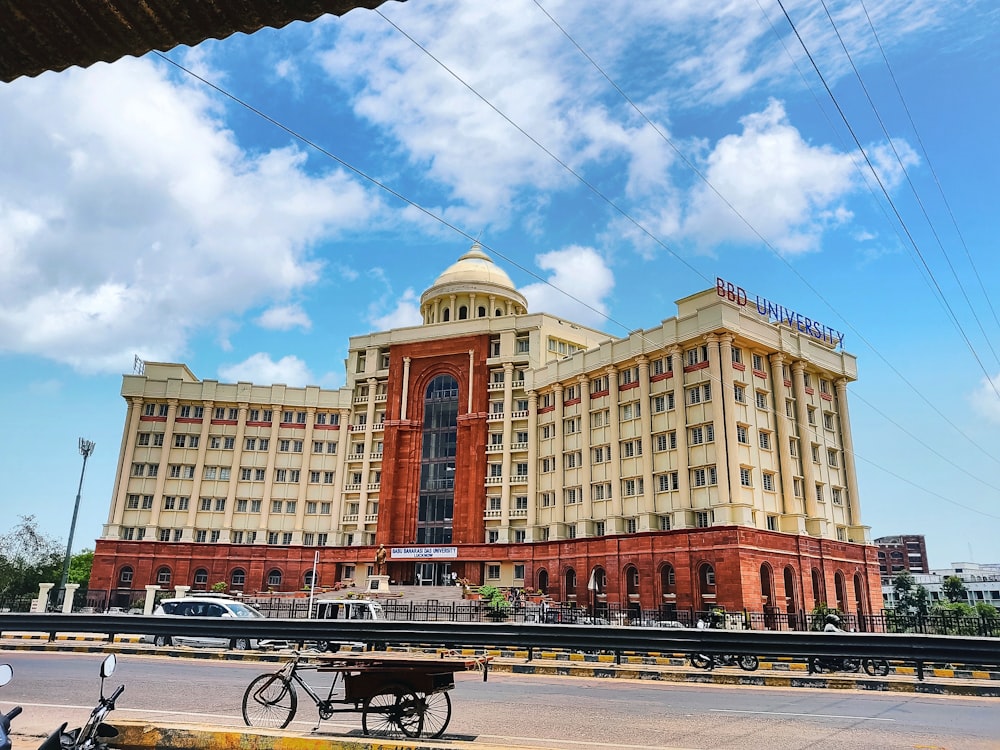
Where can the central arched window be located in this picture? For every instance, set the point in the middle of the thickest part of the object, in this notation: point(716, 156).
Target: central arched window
point(437, 462)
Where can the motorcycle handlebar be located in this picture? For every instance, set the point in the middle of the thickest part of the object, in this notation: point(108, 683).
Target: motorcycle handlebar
point(14, 712)
point(114, 696)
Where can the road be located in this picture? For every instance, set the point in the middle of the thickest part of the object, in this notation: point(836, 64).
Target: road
point(527, 711)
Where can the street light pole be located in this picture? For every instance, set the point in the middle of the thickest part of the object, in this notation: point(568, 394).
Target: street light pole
point(86, 449)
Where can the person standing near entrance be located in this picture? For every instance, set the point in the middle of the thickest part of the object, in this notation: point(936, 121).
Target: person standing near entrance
point(420, 579)
point(454, 578)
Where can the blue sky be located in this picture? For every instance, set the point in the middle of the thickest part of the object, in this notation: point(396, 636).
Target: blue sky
point(144, 213)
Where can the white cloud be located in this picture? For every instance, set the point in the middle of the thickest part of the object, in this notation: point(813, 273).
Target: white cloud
point(789, 190)
point(260, 368)
point(405, 313)
point(284, 318)
point(579, 282)
point(130, 217)
point(984, 399)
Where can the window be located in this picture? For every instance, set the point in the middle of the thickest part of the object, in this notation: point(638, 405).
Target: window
point(811, 414)
point(496, 470)
point(327, 477)
point(220, 504)
point(296, 446)
point(548, 464)
point(761, 397)
point(215, 442)
point(702, 434)
point(205, 504)
point(572, 495)
point(660, 442)
point(522, 347)
point(210, 472)
point(838, 496)
point(331, 447)
point(264, 443)
point(797, 486)
point(814, 449)
point(737, 354)
point(572, 425)
point(548, 499)
point(694, 395)
point(629, 375)
point(659, 404)
point(632, 487)
point(138, 470)
point(284, 445)
point(758, 362)
point(493, 572)
point(597, 419)
point(241, 506)
point(739, 394)
point(258, 475)
point(828, 420)
point(290, 506)
point(793, 447)
point(281, 475)
point(200, 535)
point(745, 477)
point(702, 519)
point(571, 532)
point(831, 456)
point(164, 535)
point(521, 502)
point(163, 576)
point(520, 536)
point(842, 537)
point(742, 434)
point(819, 494)
point(768, 481)
point(764, 438)
point(772, 523)
point(573, 460)
point(313, 477)
point(158, 439)
point(599, 385)
point(630, 411)
point(294, 475)
point(667, 482)
point(251, 444)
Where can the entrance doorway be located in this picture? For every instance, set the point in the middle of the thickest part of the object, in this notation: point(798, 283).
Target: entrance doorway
point(433, 574)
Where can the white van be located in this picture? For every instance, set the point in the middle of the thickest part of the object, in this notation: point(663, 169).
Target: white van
point(345, 609)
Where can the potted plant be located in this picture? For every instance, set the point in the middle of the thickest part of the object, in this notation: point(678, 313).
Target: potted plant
point(497, 605)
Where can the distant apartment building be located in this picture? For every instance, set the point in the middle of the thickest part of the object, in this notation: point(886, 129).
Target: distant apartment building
point(902, 552)
point(982, 583)
point(706, 460)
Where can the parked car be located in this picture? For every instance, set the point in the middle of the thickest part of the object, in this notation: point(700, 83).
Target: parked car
point(345, 609)
point(206, 606)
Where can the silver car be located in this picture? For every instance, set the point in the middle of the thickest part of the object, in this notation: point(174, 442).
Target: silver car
point(205, 606)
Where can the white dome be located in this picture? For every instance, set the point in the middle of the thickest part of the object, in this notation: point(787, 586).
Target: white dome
point(475, 267)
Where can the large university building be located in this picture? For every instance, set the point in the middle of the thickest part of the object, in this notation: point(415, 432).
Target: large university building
point(704, 461)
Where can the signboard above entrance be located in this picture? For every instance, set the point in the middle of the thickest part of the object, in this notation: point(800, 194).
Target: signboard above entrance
point(424, 553)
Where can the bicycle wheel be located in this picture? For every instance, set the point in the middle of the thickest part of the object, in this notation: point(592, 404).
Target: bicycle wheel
point(876, 667)
point(395, 711)
point(437, 713)
point(269, 702)
point(748, 662)
point(701, 661)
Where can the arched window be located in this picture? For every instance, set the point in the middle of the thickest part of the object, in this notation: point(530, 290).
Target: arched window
point(307, 579)
point(238, 579)
point(447, 315)
point(543, 581)
point(766, 585)
point(838, 582)
point(790, 600)
point(463, 312)
point(706, 576)
point(668, 579)
point(163, 576)
point(200, 577)
point(499, 312)
point(819, 593)
point(632, 580)
point(125, 577)
point(570, 581)
point(481, 312)
point(274, 578)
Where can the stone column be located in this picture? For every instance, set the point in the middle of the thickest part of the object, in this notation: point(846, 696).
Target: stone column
point(164, 467)
point(505, 458)
point(614, 519)
point(67, 606)
point(472, 377)
point(586, 455)
point(814, 521)
point(272, 454)
point(406, 388)
point(181, 591)
point(789, 505)
point(532, 466)
point(42, 603)
point(300, 505)
point(187, 535)
point(124, 470)
point(684, 500)
point(236, 467)
point(343, 441)
point(647, 504)
point(559, 443)
point(719, 419)
point(853, 501)
point(150, 604)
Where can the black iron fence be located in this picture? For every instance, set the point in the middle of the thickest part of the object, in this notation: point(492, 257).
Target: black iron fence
point(604, 613)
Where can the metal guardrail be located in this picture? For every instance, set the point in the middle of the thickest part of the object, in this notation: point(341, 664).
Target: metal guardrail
point(913, 648)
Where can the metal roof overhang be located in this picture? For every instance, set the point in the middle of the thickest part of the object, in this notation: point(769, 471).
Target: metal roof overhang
point(41, 35)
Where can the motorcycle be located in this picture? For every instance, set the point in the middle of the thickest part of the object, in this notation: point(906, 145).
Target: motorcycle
point(6, 674)
point(747, 662)
point(827, 664)
point(94, 734)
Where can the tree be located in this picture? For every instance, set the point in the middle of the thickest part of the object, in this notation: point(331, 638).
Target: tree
point(79, 567)
point(27, 558)
point(911, 598)
point(954, 589)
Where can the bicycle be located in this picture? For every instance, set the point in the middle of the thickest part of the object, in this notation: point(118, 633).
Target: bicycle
point(396, 697)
